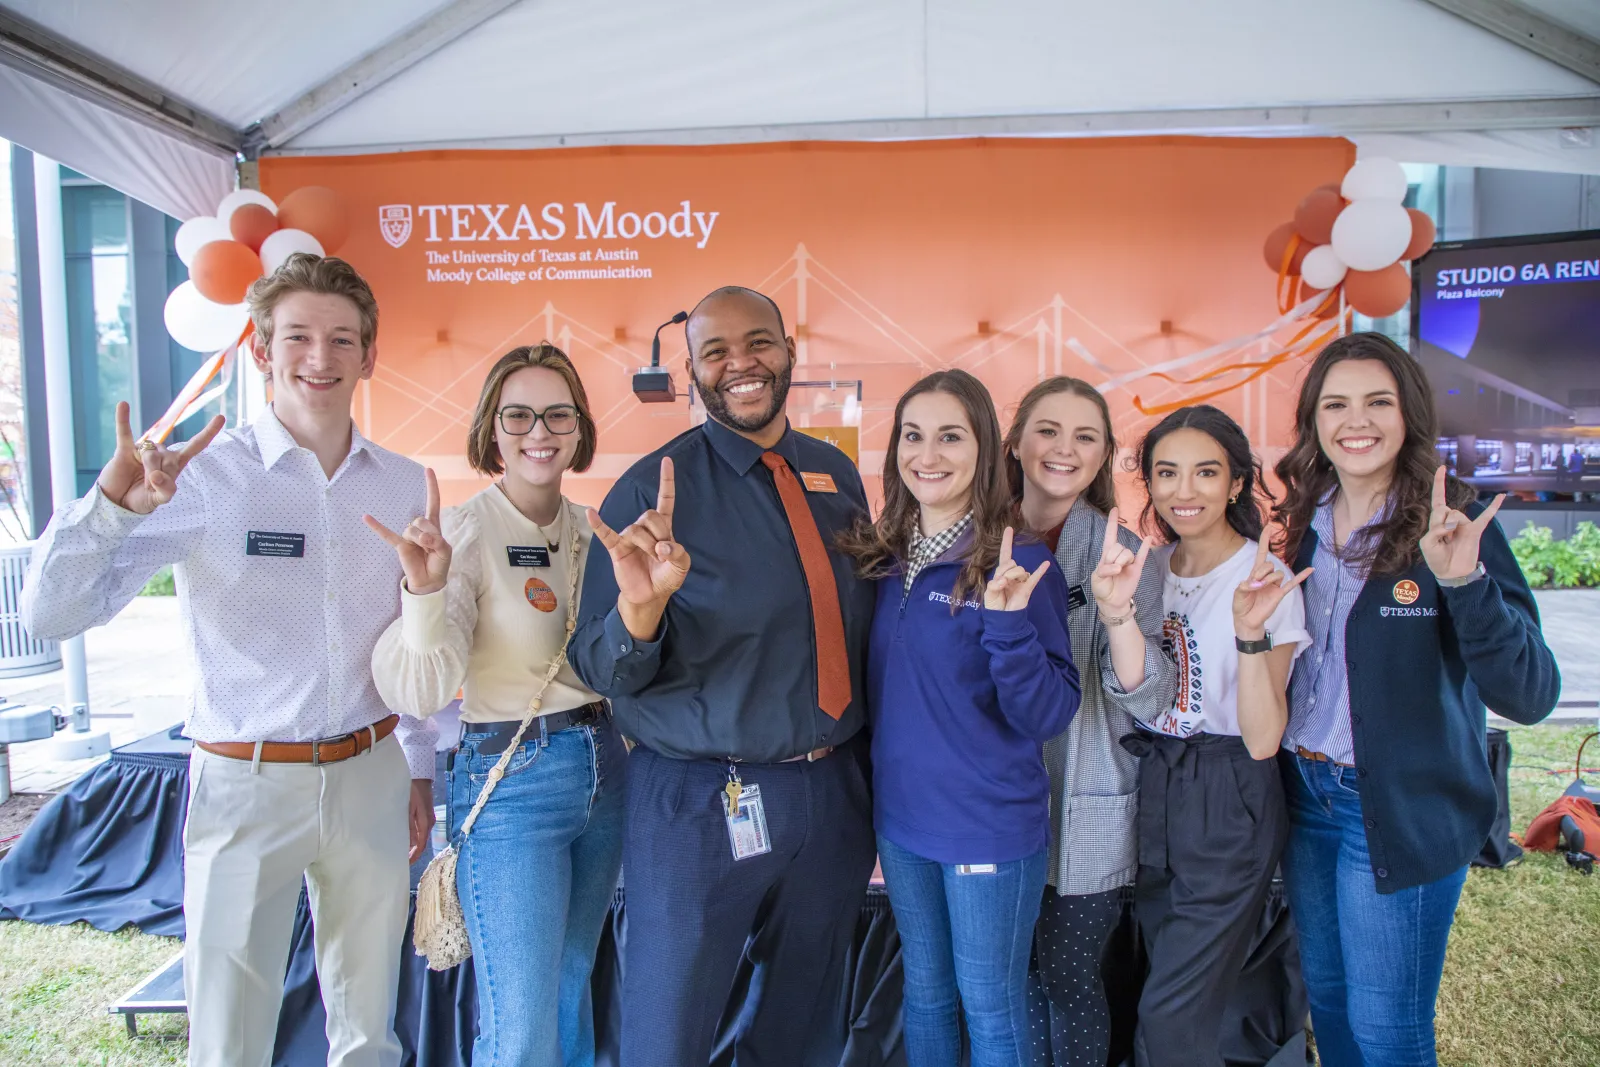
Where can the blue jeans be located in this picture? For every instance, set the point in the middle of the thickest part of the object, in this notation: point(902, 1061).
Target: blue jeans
point(1371, 961)
point(966, 933)
point(536, 877)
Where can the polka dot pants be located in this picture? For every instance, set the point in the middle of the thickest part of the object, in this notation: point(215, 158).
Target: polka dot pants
point(1069, 1020)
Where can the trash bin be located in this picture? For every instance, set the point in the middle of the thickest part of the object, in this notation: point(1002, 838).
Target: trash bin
point(20, 653)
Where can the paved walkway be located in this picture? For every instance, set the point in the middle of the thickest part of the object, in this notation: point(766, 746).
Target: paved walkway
point(138, 677)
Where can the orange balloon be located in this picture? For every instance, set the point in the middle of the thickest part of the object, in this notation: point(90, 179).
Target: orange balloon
point(1332, 187)
point(1378, 293)
point(1277, 241)
point(1422, 234)
point(223, 270)
point(318, 211)
point(1322, 311)
point(1313, 219)
point(251, 224)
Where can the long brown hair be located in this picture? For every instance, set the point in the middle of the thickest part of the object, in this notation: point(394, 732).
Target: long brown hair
point(879, 546)
point(1102, 492)
point(1390, 547)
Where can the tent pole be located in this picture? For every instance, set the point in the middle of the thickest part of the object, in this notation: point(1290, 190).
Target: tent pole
point(78, 742)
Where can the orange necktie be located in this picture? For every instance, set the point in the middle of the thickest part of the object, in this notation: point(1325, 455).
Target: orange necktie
point(827, 623)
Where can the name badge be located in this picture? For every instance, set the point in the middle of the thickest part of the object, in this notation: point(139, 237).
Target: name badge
point(747, 825)
point(261, 543)
point(528, 555)
point(817, 482)
point(1076, 597)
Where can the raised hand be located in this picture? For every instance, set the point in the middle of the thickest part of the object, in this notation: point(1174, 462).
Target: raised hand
point(649, 565)
point(141, 477)
point(423, 551)
point(1116, 578)
point(1450, 546)
point(1011, 585)
point(1258, 596)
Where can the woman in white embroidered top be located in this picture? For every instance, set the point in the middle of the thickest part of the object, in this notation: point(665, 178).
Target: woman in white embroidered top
point(1212, 820)
point(488, 592)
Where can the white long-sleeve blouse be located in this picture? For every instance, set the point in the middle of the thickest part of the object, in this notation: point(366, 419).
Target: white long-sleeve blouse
point(491, 631)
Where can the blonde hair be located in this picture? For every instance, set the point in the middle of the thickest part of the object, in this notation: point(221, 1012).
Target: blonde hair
point(483, 454)
point(305, 273)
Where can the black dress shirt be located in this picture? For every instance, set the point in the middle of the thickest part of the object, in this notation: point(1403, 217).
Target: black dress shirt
point(732, 672)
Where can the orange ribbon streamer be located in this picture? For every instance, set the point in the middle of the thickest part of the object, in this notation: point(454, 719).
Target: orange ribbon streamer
point(178, 409)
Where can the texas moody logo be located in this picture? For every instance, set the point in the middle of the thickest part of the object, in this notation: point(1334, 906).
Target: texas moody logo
point(394, 222)
point(519, 223)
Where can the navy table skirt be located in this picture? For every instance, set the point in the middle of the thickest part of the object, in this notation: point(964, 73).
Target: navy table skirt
point(109, 851)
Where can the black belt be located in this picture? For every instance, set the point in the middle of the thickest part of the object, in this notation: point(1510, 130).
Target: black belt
point(496, 736)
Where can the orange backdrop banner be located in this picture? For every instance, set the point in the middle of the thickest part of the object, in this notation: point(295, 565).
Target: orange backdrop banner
point(1110, 260)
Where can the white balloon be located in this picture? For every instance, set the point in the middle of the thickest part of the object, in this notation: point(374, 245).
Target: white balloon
point(239, 198)
point(1371, 234)
point(199, 324)
point(1322, 268)
point(198, 231)
point(1375, 179)
point(281, 244)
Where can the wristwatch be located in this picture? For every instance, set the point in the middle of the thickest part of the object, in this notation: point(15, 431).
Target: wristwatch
point(1251, 647)
point(1466, 579)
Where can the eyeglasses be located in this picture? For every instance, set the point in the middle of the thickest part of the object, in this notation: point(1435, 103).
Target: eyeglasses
point(517, 420)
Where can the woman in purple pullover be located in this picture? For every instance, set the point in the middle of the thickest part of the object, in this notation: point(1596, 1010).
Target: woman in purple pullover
point(969, 672)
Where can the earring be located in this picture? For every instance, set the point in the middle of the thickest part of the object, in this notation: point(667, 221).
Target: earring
point(1234, 499)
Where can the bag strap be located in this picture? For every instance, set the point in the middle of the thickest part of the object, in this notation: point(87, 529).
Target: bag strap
point(557, 661)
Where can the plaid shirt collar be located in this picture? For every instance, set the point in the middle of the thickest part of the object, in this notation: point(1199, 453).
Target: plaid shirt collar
point(925, 550)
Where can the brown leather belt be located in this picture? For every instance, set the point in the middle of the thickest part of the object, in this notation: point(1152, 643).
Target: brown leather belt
point(1317, 757)
point(316, 753)
point(810, 757)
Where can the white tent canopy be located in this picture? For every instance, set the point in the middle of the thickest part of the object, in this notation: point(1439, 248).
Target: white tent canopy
point(156, 96)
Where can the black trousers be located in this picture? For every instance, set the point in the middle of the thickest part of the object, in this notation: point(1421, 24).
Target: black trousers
point(1212, 826)
point(693, 910)
point(1069, 949)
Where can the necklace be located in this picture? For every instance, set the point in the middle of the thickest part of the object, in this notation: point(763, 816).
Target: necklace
point(553, 541)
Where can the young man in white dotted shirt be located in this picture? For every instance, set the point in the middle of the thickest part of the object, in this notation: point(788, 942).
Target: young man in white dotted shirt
point(299, 772)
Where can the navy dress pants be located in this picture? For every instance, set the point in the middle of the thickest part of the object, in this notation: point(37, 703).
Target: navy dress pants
point(693, 910)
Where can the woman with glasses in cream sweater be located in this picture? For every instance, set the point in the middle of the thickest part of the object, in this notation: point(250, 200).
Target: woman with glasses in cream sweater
point(489, 589)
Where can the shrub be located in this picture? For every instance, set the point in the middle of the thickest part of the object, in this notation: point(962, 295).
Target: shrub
point(1559, 564)
point(160, 584)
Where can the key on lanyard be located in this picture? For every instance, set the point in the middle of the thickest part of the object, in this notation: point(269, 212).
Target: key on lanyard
point(733, 789)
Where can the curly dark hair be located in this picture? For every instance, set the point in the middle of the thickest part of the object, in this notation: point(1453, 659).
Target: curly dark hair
point(1244, 512)
point(1389, 546)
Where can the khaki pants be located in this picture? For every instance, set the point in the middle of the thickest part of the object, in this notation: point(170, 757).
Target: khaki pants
point(253, 833)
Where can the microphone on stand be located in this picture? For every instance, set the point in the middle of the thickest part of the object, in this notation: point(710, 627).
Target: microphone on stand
point(653, 384)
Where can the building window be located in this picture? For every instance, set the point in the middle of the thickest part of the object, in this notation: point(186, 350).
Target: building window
point(99, 318)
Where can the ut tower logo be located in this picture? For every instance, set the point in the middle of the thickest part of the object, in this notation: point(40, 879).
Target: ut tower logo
point(394, 221)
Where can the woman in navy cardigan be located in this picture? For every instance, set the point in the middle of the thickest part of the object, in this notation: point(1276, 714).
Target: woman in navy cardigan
point(969, 672)
point(1419, 616)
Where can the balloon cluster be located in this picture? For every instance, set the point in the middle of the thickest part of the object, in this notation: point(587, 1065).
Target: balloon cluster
point(1354, 234)
point(248, 237)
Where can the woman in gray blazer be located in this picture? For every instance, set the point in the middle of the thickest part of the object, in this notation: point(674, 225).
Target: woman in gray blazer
point(1059, 454)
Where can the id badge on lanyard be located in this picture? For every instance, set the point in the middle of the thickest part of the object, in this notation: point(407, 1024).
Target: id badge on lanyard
point(746, 816)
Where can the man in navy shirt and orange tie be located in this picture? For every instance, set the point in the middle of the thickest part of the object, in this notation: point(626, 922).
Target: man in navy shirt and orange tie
point(731, 641)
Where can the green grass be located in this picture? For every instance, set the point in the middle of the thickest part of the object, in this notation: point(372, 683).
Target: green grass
point(55, 985)
point(1520, 982)
point(1522, 978)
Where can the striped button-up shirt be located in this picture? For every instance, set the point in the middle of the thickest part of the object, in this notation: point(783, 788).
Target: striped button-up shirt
point(1319, 690)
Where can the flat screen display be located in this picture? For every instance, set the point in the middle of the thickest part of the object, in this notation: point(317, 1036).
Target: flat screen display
point(1527, 311)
